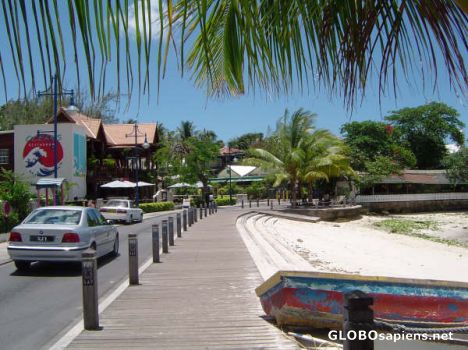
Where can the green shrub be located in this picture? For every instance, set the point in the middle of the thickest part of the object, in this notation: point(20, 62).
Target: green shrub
point(224, 200)
point(158, 206)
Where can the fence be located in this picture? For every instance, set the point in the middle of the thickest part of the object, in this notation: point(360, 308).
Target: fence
point(411, 197)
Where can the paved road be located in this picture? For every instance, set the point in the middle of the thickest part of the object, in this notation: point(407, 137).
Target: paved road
point(37, 306)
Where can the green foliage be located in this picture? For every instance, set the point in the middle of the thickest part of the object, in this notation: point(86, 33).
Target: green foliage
point(224, 190)
point(224, 200)
point(369, 140)
point(378, 169)
point(425, 129)
point(243, 142)
point(158, 206)
point(109, 163)
point(16, 191)
point(456, 165)
point(30, 111)
point(412, 228)
point(256, 190)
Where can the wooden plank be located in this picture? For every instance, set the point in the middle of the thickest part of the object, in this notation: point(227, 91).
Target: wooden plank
point(201, 297)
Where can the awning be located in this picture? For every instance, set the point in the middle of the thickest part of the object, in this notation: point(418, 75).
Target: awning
point(50, 182)
point(181, 185)
point(118, 184)
point(236, 179)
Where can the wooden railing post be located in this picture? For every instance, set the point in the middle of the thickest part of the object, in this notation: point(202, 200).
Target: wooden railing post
point(133, 259)
point(358, 318)
point(171, 231)
point(179, 228)
point(155, 237)
point(165, 241)
point(90, 290)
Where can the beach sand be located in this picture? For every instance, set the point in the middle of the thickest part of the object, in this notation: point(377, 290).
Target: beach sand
point(358, 247)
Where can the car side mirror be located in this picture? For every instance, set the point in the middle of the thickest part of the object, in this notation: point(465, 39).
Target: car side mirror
point(110, 222)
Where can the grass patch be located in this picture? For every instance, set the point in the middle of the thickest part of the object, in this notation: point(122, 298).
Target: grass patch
point(413, 227)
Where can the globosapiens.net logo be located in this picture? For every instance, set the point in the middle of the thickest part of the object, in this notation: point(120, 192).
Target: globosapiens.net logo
point(336, 335)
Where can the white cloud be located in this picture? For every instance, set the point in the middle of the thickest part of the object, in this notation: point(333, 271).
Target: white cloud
point(155, 19)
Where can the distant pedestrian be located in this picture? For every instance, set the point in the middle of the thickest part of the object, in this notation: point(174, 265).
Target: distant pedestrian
point(91, 204)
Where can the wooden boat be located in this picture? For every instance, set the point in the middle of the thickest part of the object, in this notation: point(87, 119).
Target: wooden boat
point(296, 298)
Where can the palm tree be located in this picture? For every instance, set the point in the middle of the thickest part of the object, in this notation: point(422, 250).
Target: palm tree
point(298, 153)
point(185, 130)
point(231, 46)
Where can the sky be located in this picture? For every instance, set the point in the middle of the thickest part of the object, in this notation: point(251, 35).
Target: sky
point(179, 100)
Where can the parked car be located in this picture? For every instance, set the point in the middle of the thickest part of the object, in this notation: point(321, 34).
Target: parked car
point(122, 210)
point(61, 233)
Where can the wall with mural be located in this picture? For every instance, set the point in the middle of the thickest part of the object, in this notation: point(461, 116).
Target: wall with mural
point(34, 154)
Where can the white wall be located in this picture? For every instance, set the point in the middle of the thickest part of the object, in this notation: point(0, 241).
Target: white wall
point(34, 155)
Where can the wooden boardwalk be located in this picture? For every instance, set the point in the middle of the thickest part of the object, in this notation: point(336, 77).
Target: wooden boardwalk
point(200, 297)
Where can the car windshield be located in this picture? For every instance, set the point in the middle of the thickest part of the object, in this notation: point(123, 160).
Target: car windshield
point(120, 204)
point(55, 217)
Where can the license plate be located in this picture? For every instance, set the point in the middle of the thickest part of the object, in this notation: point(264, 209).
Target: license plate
point(41, 238)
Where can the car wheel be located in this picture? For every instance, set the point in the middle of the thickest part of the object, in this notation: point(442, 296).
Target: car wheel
point(22, 265)
point(115, 251)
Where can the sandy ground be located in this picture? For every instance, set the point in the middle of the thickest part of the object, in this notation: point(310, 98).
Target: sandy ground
point(358, 247)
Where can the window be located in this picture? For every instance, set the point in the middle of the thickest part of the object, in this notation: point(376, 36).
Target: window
point(4, 156)
point(92, 221)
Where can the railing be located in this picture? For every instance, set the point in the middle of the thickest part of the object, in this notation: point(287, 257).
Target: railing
point(410, 197)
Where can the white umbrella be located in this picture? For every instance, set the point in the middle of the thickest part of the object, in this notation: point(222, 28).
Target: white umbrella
point(117, 184)
point(199, 184)
point(180, 185)
point(140, 184)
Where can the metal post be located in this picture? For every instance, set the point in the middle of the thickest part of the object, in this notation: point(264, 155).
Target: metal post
point(358, 318)
point(90, 290)
point(133, 259)
point(155, 236)
point(201, 212)
point(55, 126)
point(171, 231)
point(179, 228)
point(184, 220)
point(242, 204)
point(165, 245)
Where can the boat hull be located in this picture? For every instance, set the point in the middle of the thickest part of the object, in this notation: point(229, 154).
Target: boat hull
point(316, 299)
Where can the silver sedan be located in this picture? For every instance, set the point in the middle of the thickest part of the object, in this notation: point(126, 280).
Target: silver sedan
point(61, 233)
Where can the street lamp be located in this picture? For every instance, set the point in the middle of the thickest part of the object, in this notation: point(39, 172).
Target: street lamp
point(230, 174)
point(53, 91)
point(135, 133)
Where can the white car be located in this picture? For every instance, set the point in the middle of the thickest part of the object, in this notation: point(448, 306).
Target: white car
point(122, 210)
point(61, 233)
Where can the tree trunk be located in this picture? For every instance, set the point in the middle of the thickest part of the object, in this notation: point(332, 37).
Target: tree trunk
point(293, 193)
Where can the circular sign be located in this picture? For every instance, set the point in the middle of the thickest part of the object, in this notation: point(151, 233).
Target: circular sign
point(6, 208)
point(38, 155)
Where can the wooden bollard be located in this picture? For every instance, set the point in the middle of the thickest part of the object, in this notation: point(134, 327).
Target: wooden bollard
point(279, 200)
point(195, 214)
point(90, 290)
point(358, 318)
point(206, 209)
point(268, 202)
point(171, 230)
point(184, 220)
point(133, 259)
point(215, 207)
point(258, 202)
point(165, 240)
point(271, 204)
point(179, 228)
point(189, 213)
point(201, 211)
point(250, 203)
point(155, 237)
point(242, 204)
